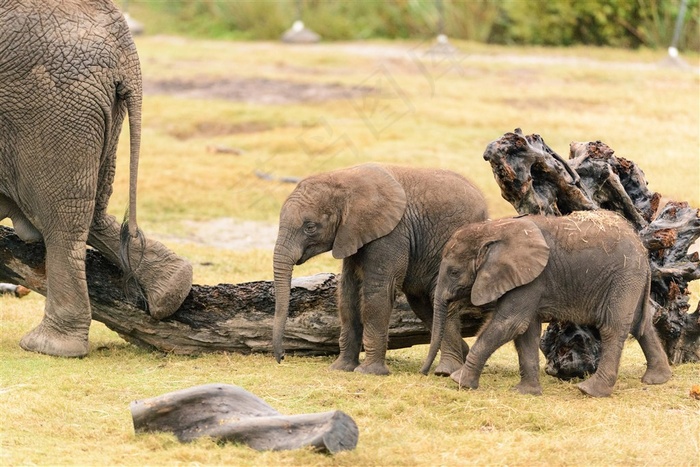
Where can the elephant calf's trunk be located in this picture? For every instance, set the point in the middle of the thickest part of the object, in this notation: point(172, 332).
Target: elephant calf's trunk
point(436, 334)
point(283, 283)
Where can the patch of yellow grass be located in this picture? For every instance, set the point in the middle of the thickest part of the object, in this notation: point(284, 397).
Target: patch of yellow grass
point(65, 411)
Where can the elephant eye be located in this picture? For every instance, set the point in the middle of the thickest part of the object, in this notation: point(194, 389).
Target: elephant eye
point(453, 273)
point(310, 228)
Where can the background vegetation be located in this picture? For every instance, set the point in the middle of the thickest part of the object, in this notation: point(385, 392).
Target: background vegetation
point(618, 23)
point(424, 111)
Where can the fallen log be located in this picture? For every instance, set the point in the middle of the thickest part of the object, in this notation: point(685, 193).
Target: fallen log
point(536, 180)
point(230, 413)
point(224, 317)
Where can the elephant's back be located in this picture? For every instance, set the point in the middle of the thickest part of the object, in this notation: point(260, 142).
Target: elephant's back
point(438, 190)
point(438, 203)
point(599, 230)
point(598, 252)
point(57, 43)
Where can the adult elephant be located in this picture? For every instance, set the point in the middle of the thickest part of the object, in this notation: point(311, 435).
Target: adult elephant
point(69, 73)
point(588, 268)
point(389, 225)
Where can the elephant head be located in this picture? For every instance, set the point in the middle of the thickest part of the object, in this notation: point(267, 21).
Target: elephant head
point(482, 262)
point(337, 211)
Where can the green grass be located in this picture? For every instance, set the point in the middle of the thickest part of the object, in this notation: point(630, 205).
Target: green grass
point(58, 411)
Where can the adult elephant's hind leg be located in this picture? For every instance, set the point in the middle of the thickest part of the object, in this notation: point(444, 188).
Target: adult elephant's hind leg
point(24, 229)
point(65, 327)
point(165, 278)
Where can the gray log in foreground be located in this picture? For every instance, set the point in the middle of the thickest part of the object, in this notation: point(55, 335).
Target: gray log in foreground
point(226, 317)
point(230, 413)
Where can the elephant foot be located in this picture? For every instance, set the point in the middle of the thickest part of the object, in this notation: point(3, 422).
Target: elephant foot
point(43, 339)
point(345, 364)
point(375, 368)
point(447, 367)
point(657, 375)
point(166, 279)
point(594, 388)
point(530, 388)
point(465, 380)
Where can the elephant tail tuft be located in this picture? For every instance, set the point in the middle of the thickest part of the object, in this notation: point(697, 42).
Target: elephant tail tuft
point(130, 285)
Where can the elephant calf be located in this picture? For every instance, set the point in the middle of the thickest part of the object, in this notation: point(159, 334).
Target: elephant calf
point(389, 225)
point(589, 268)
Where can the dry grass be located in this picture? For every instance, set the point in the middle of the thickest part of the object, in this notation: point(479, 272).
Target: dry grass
point(57, 411)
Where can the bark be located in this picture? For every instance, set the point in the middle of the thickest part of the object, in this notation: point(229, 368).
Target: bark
point(536, 180)
point(230, 413)
point(225, 317)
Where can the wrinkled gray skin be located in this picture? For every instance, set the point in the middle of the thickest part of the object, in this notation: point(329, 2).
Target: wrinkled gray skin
point(588, 268)
point(389, 225)
point(69, 73)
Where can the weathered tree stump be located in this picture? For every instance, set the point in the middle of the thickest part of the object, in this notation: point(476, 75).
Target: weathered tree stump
point(225, 317)
point(536, 180)
point(229, 413)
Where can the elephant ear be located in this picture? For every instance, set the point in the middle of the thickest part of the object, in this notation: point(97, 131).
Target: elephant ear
point(514, 255)
point(374, 204)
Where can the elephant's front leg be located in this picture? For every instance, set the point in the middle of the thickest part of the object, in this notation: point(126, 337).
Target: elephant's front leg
point(64, 329)
point(527, 346)
point(511, 319)
point(350, 340)
point(376, 304)
point(165, 277)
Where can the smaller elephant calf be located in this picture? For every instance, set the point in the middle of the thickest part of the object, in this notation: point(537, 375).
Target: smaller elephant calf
point(589, 268)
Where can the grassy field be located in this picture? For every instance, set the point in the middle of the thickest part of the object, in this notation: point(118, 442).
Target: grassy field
point(216, 112)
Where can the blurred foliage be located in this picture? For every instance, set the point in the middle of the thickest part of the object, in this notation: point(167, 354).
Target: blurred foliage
point(618, 23)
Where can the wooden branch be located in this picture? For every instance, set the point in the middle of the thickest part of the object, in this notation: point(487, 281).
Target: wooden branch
point(225, 317)
point(570, 351)
point(230, 413)
point(535, 180)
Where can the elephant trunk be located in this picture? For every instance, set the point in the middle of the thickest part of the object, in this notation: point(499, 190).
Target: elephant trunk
point(283, 262)
point(436, 334)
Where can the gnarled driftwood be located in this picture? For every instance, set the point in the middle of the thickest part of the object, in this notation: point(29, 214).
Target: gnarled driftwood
point(536, 180)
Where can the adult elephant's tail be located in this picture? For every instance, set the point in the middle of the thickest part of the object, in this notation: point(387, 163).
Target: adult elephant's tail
point(133, 105)
point(130, 231)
